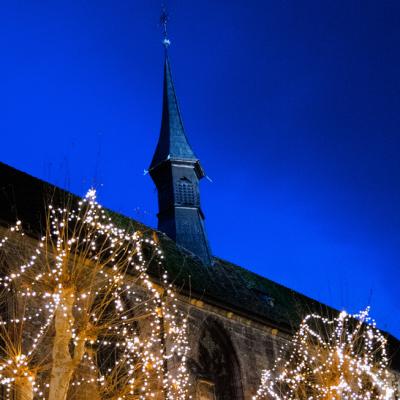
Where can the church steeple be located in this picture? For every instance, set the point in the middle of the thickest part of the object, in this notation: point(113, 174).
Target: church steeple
point(176, 171)
point(172, 143)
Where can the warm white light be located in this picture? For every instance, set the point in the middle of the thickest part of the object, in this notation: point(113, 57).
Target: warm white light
point(89, 282)
point(338, 359)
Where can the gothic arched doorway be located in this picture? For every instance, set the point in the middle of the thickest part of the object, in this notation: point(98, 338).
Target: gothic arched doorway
point(217, 369)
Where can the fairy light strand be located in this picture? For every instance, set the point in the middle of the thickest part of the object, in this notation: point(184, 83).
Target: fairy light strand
point(91, 275)
point(341, 358)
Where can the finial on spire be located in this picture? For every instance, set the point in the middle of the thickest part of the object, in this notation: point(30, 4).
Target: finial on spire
point(164, 18)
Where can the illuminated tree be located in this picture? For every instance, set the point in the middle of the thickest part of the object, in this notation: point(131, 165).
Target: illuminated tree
point(80, 317)
point(343, 358)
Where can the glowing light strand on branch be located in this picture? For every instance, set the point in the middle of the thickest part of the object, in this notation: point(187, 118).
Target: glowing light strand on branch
point(89, 277)
point(342, 358)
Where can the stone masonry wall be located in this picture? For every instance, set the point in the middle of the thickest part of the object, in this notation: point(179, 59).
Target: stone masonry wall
point(254, 346)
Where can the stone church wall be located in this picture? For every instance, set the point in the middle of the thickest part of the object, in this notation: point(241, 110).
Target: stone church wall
point(228, 352)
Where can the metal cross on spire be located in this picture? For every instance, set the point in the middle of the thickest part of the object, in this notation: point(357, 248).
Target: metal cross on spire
point(164, 18)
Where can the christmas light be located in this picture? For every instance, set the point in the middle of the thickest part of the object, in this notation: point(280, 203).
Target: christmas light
point(343, 358)
point(86, 315)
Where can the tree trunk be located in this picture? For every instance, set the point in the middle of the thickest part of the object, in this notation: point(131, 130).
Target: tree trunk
point(63, 364)
point(24, 388)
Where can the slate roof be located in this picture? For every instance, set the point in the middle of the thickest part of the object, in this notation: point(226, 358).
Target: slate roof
point(172, 143)
point(224, 284)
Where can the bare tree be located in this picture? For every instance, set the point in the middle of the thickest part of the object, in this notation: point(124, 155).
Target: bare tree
point(330, 359)
point(86, 319)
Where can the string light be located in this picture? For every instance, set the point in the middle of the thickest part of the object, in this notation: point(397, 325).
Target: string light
point(332, 359)
point(87, 313)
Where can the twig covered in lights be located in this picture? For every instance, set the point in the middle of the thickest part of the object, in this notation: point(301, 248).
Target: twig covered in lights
point(80, 317)
point(343, 358)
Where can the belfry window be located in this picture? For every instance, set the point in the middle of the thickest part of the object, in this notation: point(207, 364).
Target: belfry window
point(185, 193)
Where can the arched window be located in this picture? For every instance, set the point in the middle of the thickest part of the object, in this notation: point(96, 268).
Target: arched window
point(217, 368)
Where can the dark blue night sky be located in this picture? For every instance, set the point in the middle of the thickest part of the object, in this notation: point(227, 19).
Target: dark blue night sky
point(292, 107)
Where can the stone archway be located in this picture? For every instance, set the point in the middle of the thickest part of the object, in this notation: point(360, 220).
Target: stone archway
point(217, 369)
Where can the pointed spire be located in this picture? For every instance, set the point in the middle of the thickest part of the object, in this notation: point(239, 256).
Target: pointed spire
point(172, 143)
point(176, 171)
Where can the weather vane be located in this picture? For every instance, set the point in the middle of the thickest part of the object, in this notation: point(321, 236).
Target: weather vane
point(164, 18)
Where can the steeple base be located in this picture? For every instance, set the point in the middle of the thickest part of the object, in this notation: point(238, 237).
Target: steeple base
point(185, 226)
